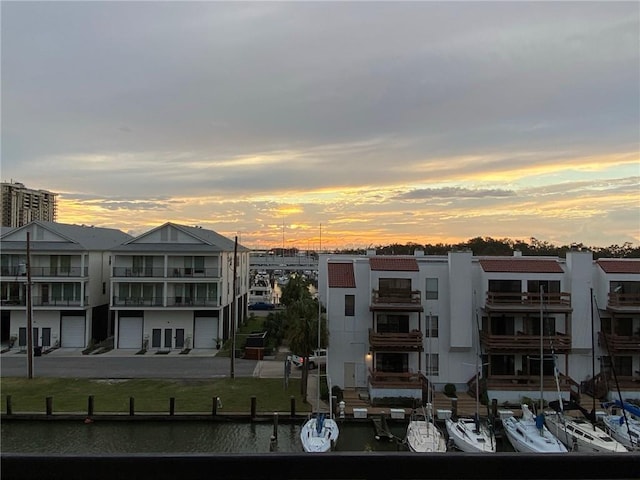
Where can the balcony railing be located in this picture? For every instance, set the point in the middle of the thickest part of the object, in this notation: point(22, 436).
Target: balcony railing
point(45, 302)
point(395, 380)
point(159, 302)
point(528, 300)
point(396, 341)
point(629, 301)
point(396, 299)
point(522, 342)
point(20, 271)
point(619, 343)
point(159, 272)
point(531, 382)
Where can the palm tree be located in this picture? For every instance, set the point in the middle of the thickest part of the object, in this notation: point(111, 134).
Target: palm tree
point(302, 333)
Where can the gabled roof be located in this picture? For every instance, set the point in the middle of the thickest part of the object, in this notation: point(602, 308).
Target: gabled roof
point(208, 240)
point(341, 275)
point(619, 265)
point(69, 237)
point(395, 264)
point(520, 265)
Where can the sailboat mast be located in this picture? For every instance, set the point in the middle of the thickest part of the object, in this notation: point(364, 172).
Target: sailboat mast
point(541, 352)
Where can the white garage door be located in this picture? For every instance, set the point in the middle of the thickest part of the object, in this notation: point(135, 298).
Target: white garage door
point(206, 331)
point(72, 335)
point(130, 332)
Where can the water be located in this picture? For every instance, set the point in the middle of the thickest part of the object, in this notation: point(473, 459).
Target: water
point(75, 437)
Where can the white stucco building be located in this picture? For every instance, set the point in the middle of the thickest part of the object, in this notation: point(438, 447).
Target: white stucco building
point(397, 323)
point(69, 269)
point(172, 288)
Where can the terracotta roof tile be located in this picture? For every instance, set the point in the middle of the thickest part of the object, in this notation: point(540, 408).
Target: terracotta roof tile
point(341, 275)
point(521, 265)
point(619, 266)
point(396, 264)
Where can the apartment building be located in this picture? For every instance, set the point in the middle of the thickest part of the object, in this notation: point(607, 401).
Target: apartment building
point(398, 324)
point(21, 205)
point(69, 270)
point(172, 288)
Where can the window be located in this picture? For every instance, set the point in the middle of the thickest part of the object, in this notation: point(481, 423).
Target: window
point(550, 286)
point(390, 323)
point(431, 326)
point(349, 305)
point(433, 364)
point(432, 289)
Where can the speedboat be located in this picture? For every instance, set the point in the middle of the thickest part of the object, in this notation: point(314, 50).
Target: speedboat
point(528, 433)
point(423, 436)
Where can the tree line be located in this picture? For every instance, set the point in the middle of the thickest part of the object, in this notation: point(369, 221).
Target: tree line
point(491, 246)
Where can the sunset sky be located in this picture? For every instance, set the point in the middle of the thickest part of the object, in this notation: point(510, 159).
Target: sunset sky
point(369, 123)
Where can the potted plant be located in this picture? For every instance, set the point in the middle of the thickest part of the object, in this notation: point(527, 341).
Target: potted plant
point(218, 343)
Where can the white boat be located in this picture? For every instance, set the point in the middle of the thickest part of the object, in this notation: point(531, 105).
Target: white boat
point(580, 435)
point(528, 433)
point(423, 436)
point(319, 433)
point(622, 423)
point(470, 435)
point(260, 291)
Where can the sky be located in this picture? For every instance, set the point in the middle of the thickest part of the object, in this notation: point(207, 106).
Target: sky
point(327, 125)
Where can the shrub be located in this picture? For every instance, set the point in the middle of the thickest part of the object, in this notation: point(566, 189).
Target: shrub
point(450, 390)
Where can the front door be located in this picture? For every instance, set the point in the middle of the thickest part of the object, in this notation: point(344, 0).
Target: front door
point(349, 375)
point(156, 336)
point(168, 333)
point(179, 337)
point(46, 337)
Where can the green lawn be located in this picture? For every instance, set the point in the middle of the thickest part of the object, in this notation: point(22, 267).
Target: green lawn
point(151, 396)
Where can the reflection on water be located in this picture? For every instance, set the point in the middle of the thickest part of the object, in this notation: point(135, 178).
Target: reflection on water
point(68, 437)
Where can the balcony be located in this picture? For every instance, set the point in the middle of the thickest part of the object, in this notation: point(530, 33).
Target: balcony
point(527, 302)
point(159, 272)
point(395, 380)
point(396, 300)
point(523, 343)
point(624, 302)
point(44, 302)
point(619, 344)
point(137, 302)
point(39, 272)
point(410, 341)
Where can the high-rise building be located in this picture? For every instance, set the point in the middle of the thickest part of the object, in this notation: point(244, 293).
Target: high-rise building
point(21, 205)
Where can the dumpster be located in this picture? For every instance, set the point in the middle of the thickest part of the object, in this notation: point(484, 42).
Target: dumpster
point(37, 351)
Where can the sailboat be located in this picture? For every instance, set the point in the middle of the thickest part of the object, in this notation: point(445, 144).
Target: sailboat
point(577, 433)
point(470, 434)
point(320, 432)
point(528, 433)
point(423, 435)
point(622, 422)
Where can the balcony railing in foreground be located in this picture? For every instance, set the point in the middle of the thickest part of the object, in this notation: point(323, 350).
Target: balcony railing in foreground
point(624, 300)
point(619, 343)
point(335, 465)
point(528, 299)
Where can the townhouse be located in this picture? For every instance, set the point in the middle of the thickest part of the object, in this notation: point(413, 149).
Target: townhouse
point(69, 271)
point(173, 288)
point(399, 325)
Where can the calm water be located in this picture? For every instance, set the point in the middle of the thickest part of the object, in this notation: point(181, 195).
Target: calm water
point(75, 437)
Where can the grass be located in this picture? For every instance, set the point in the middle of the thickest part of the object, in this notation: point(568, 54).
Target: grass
point(151, 395)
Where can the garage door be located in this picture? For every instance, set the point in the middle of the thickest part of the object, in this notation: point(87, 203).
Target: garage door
point(206, 331)
point(72, 335)
point(130, 332)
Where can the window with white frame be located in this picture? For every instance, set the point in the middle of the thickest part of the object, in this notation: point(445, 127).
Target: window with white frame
point(433, 364)
point(349, 305)
point(431, 326)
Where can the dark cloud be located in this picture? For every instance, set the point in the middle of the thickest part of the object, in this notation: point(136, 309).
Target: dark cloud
point(453, 192)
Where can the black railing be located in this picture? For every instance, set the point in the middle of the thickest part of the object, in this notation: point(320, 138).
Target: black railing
point(161, 272)
point(336, 465)
point(21, 271)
